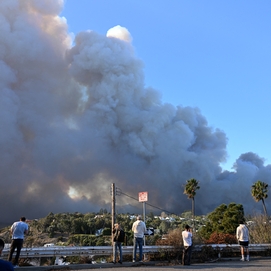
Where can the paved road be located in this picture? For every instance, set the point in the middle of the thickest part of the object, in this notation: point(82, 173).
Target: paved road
point(259, 264)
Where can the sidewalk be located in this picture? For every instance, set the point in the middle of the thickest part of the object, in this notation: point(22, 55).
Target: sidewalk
point(230, 264)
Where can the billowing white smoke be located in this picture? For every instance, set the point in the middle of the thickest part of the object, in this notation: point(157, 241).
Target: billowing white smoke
point(77, 117)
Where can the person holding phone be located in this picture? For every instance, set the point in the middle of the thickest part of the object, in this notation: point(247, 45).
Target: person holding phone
point(187, 245)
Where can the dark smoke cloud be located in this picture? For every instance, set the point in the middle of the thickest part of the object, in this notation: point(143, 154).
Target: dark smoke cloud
point(76, 116)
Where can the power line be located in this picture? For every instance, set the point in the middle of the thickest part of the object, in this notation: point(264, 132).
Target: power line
point(119, 192)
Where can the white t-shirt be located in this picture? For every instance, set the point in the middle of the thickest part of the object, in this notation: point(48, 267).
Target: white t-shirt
point(242, 233)
point(187, 238)
point(139, 228)
point(18, 230)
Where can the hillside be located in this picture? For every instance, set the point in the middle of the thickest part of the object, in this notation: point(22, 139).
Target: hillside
point(35, 238)
point(81, 229)
point(62, 229)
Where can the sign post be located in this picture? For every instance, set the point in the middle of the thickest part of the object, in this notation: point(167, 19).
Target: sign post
point(143, 197)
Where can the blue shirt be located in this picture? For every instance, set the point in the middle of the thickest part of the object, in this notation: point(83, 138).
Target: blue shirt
point(18, 229)
point(6, 266)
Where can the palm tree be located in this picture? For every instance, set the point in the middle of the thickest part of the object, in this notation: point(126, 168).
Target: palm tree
point(259, 192)
point(190, 190)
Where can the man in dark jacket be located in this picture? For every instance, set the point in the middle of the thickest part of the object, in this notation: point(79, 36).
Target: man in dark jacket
point(118, 239)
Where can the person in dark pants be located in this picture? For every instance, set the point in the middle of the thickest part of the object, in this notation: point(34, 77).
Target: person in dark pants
point(242, 235)
point(4, 265)
point(139, 228)
point(118, 239)
point(18, 231)
point(187, 245)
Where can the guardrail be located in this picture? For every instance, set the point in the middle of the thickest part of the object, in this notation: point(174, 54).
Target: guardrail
point(91, 251)
point(54, 251)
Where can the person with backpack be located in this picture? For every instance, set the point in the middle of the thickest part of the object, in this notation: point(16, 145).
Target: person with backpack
point(119, 236)
point(139, 228)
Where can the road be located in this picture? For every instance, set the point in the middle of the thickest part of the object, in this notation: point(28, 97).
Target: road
point(262, 264)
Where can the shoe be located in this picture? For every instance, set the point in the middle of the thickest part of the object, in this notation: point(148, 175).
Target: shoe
point(15, 266)
point(133, 261)
point(120, 262)
point(247, 259)
point(113, 262)
point(242, 260)
point(141, 261)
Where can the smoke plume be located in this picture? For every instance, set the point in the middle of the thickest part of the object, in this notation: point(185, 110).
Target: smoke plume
point(76, 116)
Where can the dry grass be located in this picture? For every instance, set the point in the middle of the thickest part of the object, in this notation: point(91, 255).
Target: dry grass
point(259, 230)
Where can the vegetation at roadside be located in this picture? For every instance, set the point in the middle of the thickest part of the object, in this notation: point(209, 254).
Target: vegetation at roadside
point(94, 229)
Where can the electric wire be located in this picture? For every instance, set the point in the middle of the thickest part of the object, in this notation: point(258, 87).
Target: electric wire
point(168, 212)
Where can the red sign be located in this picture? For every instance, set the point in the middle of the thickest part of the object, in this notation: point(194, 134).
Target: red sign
point(142, 196)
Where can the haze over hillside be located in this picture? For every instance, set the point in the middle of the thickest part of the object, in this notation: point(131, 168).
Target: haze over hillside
point(76, 116)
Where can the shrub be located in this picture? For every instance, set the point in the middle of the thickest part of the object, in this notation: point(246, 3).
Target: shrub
point(221, 238)
point(173, 238)
point(259, 230)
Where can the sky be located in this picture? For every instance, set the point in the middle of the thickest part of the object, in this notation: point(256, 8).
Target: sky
point(146, 95)
point(214, 55)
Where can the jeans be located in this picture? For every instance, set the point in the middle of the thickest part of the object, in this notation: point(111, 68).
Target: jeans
point(187, 250)
point(116, 246)
point(138, 242)
point(15, 244)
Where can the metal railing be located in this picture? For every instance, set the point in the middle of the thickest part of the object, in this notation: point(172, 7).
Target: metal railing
point(54, 251)
point(58, 251)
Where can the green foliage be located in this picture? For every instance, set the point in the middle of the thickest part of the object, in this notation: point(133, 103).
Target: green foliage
point(107, 231)
point(74, 223)
point(259, 193)
point(190, 190)
point(191, 187)
point(259, 190)
point(224, 219)
point(86, 240)
point(81, 229)
point(164, 226)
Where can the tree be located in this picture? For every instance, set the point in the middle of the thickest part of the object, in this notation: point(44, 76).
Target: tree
point(190, 190)
point(259, 192)
point(224, 219)
point(164, 226)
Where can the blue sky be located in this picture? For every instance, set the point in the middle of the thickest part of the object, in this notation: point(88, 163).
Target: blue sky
point(214, 55)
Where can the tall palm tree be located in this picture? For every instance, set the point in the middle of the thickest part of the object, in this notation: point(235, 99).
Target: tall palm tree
point(259, 192)
point(190, 190)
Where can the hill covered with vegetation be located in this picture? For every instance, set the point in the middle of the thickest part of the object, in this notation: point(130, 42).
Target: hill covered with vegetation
point(94, 229)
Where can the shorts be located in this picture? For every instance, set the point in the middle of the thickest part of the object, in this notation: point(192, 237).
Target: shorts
point(243, 243)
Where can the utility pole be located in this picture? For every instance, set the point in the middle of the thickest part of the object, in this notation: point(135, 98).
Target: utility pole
point(113, 189)
point(144, 219)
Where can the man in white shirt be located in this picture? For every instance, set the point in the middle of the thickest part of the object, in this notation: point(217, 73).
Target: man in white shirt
point(139, 228)
point(187, 244)
point(242, 236)
point(18, 230)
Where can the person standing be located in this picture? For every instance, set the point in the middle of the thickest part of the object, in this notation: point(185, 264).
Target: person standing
point(187, 245)
point(4, 265)
point(242, 235)
point(18, 231)
point(118, 239)
point(139, 228)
